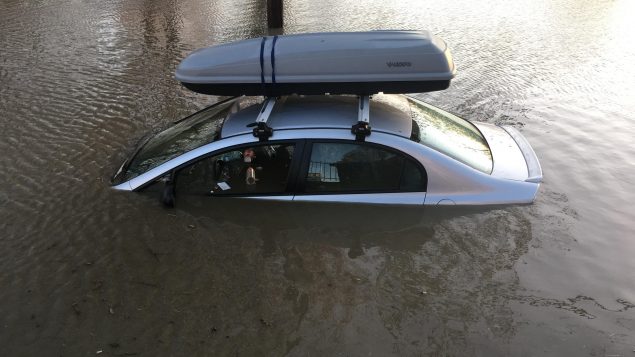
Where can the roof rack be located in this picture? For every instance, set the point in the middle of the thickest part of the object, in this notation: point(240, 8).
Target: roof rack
point(362, 129)
point(261, 130)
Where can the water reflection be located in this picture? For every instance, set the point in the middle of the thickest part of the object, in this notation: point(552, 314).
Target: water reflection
point(333, 270)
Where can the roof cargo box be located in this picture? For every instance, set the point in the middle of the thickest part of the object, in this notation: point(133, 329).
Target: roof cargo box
point(337, 63)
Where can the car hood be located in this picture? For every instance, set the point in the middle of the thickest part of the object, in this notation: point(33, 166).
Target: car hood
point(513, 157)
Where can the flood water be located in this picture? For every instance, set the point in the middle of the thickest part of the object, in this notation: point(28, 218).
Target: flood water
point(84, 269)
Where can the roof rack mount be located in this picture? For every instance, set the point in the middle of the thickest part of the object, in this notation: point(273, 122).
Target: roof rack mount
point(362, 129)
point(261, 130)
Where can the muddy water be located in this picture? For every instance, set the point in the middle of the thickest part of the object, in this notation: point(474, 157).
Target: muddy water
point(84, 269)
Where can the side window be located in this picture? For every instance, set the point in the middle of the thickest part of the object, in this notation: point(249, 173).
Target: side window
point(413, 178)
point(257, 169)
point(348, 167)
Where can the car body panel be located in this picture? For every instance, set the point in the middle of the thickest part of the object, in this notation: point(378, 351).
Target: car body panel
point(509, 162)
point(449, 181)
point(394, 198)
point(533, 165)
point(268, 197)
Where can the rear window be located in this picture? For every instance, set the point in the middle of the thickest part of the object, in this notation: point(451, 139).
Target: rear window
point(450, 135)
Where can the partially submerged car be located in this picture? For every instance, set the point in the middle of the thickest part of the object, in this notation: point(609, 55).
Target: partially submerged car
point(311, 148)
point(300, 142)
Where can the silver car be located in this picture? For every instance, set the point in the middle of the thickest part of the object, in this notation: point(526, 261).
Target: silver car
point(390, 149)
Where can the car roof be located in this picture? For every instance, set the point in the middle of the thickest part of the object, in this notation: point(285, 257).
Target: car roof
point(388, 113)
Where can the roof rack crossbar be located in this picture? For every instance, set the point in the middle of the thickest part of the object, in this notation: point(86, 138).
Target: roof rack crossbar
point(362, 129)
point(261, 130)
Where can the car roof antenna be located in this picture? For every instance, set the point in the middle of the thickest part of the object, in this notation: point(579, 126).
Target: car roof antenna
point(261, 130)
point(362, 129)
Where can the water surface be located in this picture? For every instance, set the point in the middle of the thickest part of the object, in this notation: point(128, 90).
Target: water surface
point(85, 269)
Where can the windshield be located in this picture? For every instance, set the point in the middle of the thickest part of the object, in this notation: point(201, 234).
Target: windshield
point(194, 131)
point(450, 135)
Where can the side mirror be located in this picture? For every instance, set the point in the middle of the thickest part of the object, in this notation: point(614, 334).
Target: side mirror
point(168, 195)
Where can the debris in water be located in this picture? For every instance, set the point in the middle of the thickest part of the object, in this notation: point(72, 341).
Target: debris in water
point(98, 284)
point(75, 307)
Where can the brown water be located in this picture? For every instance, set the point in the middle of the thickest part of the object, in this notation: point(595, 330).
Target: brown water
point(86, 269)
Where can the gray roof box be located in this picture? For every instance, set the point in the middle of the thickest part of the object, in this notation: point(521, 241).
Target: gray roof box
point(359, 63)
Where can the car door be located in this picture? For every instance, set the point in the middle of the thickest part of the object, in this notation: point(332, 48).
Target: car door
point(255, 170)
point(351, 171)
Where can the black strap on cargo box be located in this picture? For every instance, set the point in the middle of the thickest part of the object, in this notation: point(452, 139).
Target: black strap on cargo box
point(273, 59)
point(262, 63)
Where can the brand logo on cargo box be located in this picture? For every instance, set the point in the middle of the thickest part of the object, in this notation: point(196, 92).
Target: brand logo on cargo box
point(399, 64)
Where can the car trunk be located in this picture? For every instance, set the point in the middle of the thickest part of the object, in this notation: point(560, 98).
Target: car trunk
point(513, 157)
